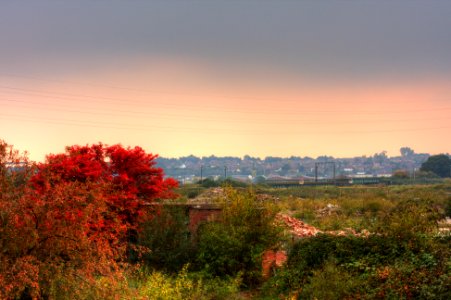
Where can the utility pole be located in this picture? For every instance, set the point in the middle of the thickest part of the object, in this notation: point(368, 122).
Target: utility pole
point(325, 163)
point(225, 172)
point(335, 181)
point(316, 172)
point(201, 169)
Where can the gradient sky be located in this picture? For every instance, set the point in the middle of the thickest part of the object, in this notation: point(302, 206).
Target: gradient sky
point(264, 78)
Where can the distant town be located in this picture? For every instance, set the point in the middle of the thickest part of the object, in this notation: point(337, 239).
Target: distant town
point(190, 169)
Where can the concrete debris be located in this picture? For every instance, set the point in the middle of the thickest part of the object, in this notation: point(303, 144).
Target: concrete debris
point(297, 227)
point(328, 210)
point(300, 229)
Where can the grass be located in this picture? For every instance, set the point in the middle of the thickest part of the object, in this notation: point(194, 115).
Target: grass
point(359, 207)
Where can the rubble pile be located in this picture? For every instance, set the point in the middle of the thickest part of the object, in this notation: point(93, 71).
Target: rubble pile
point(301, 229)
point(297, 227)
point(328, 210)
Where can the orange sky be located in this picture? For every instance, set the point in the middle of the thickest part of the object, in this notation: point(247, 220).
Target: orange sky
point(176, 107)
point(263, 78)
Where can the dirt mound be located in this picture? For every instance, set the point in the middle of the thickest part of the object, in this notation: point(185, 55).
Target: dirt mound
point(211, 195)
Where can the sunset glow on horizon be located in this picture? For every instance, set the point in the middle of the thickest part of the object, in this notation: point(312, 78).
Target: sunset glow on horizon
point(220, 103)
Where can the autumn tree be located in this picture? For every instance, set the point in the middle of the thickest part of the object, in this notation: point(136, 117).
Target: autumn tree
point(71, 222)
point(15, 171)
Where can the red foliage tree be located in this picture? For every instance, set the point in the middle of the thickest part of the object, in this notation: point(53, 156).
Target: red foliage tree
point(129, 177)
point(71, 220)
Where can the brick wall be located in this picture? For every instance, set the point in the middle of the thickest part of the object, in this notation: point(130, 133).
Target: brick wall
point(199, 215)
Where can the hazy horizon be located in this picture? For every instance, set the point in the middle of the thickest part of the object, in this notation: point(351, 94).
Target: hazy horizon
point(227, 78)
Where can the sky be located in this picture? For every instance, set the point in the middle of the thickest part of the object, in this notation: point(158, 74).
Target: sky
point(227, 78)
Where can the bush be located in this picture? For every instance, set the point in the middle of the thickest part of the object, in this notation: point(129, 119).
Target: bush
point(410, 219)
point(209, 183)
point(167, 237)
point(374, 267)
point(403, 260)
point(333, 282)
point(185, 286)
point(190, 191)
point(236, 244)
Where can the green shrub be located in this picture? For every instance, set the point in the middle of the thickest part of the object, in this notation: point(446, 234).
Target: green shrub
point(193, 194)
point(236, 244)
point(79, 288)
point(190, 191)
point(333, 282)
point(186, 286)
point(410, 220)
point(208, 183)
point(168, 239)
point(386, 266)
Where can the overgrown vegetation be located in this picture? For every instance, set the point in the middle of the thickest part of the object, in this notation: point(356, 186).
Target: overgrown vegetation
point(77, 227)
point(235, 244)
point(185, 285)
point(168, 240)
point(405, 257)
point(379, 266)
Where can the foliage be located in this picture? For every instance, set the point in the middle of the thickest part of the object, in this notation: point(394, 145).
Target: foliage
point(236, 244)
point(169, 240)
point(15, 170)
point(364, 268)
point(208, 183)
point(189, 191)
point(332, 281)
point(19, 272)
point(403, 260)
point(67, 224)
point(439, 164)
point(185, 286)
point(128, 174)
point(410, 219)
